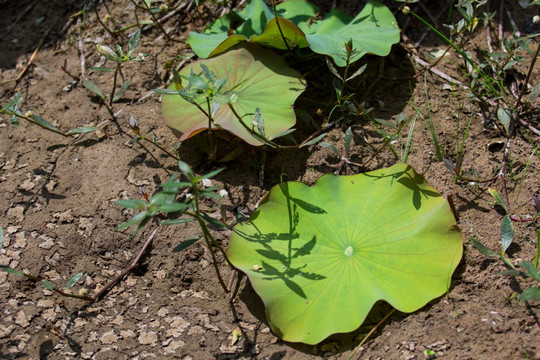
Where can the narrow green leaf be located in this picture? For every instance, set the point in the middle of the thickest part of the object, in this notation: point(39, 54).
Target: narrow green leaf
point(81, 130)
point(531, 270)
point(186, 243)
point(186, 170)
point(47, 284)
point(329, 146)
point(93, 88)
point(505, 117)
point(386, 123)
point(167, 91)
point(173, 207)
point(283, 133)
point(214, 222)
point(137, 218)
point(532, 293)
point(314, 141)
point(507, 232)
point(409, 142)
point(347, 140)
point(73, 280)
point(41, 121)
point(512, 273)
point(108, 52)
point(14, 121)
point(210, 194)
point(534, 93)
point(332, 69)
point(212, 173)
point(122, 91)
point(498, 198)
point(12, 270)
point(102, 69)
point(15, 101)
point(358, 72)
point(176, 221)
point(133, 41)
point(133, 204)
point(174, 186)
point(483, 249)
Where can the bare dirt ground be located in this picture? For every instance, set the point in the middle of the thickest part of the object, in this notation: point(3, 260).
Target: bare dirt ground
point(59, 215)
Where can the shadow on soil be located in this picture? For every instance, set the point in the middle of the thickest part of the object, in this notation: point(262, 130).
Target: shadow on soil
point(25, 24)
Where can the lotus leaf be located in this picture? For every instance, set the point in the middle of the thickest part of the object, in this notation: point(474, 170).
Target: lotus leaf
point(373, 30)
point(321, 256)
point(253, 76)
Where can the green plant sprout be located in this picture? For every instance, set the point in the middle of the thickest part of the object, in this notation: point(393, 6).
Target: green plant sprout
point(226, 92)
point(119, 57)
point(530, 269)
point(13, 111)
point(320, 256)
point(348, 52)
point(166, 202)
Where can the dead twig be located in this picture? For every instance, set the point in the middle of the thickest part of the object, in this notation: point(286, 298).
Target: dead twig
point(438, 72)
point(118, 277)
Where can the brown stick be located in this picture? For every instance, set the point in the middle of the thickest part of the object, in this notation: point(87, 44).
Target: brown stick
point(118, 277)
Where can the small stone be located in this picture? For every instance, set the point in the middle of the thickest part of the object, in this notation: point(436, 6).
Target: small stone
point(173, 346)
point(161, 274)
point(51, 185)
point(109, 338)
point(196, 330)
point(64, 217)
point(118, 320)
point(52, 275)
point(17, 213)
point(127, 334)
point(163, 312)
point(45, 303)
point(86, 227)
point(47, 244)
point(148, 338)
point(20, 240)
point(21, 319)
point(27, 185)
point(131, 282)
point(49, 315)
point(154, 323)
point(93, 337)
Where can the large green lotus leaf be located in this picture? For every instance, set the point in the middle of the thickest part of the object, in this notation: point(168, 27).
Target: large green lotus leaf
point(372, 31)
point(260, 78)
point(320, 256)
point(257, 20)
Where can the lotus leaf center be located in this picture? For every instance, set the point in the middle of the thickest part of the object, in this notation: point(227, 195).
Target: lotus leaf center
point(349, 251)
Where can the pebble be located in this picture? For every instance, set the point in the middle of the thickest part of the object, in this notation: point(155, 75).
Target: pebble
point(47, 244)
point(109, 337)
point(21, 319)
point(148, 338)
